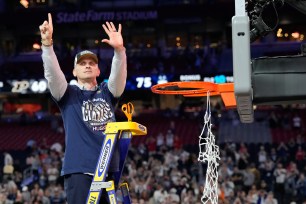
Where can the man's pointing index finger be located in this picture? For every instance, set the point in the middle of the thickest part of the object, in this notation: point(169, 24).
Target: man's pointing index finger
point(50, 20)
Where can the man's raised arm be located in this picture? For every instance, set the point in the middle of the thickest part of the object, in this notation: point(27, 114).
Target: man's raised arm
point(52, 71)
point(117, 78)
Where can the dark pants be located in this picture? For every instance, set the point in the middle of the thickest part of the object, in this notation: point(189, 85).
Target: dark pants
point(77, 187)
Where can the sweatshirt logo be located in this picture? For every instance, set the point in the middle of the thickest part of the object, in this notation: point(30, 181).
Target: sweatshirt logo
point(96, 114)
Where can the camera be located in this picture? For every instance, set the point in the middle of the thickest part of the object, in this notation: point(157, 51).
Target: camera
point(261, 20)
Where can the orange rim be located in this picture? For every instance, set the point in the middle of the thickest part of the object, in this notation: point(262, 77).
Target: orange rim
point(198, 89)
point(195, 88)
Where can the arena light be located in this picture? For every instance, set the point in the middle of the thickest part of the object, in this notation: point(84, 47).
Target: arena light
point(36, 46)
point(295, 35)
point(24, 3)
point(279, 33)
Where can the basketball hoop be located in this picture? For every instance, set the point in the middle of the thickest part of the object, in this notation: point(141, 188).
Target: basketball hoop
point(198, 89)
point(208, 150)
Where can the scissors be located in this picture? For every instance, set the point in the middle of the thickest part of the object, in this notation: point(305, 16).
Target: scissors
point(128, 110)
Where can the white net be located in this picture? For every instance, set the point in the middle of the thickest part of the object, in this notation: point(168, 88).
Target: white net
point(209, 152)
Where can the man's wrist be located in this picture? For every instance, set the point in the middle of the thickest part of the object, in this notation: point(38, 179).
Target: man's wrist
point(47, 42)
point(119, 52)
point(119, 49)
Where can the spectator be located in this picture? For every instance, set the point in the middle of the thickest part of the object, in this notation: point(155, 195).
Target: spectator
point(160, 140)
point(300, 157)
point(270, 199)
point(12, 191)
point(243, 149)
point(299, 140)
point(57, 147)
point(189, 197)
point(151, 145)
point(224, 172)
point(8, 159)
point(280, 174)
point(266, 174)
point(228, 187)
point(242, 162)
point(41, 195)
point(249, 179)
point(261, 197)
point(262, 156)
point(26, 195)
point(35, 165)
point(159, 195)
point(175, 176)
point(177, 142)
point(252, 196)
point(240, 198)
point(174, 198)
point(292, 147)
point(273, 155)
point(57, 197)
point(290, 186)
point(282, 152)
point(169, 139)
point(237, 178)
point(53, 174)
point(301, 187)
point(296, 122)
point(141, 184)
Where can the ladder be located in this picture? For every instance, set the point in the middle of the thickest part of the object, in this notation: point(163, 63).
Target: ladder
point(121, 132)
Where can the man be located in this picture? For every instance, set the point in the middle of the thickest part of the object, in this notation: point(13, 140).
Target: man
point(86, 107)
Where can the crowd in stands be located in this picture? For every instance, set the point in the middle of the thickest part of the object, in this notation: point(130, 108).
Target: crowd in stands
point(163, 170)
point(254, 174)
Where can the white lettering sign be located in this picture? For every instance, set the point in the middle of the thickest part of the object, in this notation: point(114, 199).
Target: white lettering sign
point(91, 15)
point(194, 77)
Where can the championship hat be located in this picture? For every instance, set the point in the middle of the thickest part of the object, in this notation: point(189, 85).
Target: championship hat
point(85, 54)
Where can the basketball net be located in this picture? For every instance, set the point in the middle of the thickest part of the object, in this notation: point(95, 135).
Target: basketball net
point(209, 152)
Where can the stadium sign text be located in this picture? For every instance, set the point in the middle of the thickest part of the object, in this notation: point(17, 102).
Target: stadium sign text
point(100, 16)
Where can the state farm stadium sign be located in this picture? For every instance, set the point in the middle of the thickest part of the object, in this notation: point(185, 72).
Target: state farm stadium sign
point(92, 16)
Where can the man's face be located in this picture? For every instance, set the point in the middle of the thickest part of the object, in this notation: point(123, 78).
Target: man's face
point(86, 69)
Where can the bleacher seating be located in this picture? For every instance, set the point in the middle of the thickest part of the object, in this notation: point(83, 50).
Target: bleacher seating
point(15, 136)
point(186, 129)
point(257, 132)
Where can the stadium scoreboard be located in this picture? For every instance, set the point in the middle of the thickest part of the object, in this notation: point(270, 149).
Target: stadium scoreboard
point(133, 83)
